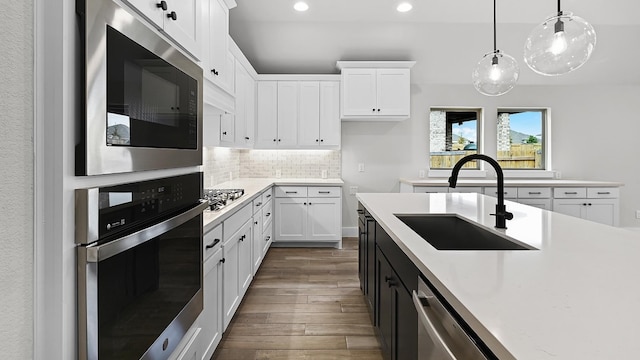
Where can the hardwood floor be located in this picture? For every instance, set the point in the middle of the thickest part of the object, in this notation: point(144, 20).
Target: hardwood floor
point(304, 303)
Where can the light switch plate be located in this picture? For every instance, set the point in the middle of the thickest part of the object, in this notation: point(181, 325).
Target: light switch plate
point(361, 167)
point(637, 214)
point(421, 174)
point(278, 173)
point(353, 190)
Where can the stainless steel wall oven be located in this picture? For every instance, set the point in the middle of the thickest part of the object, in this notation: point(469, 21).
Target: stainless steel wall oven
point(139, 267)
point(142, 97)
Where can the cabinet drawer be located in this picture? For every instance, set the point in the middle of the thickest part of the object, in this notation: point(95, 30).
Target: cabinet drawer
point(267, 213)
point(534, 193)
point(324, 191)
point(570, 193)
point(539, 203)
point(466, 189)
point(257, 204)
point(509, 192)
point(211, 242)
point(291, 191)
point(603, 193)
point(429, 189)
point(235, 222)
point(267, 195)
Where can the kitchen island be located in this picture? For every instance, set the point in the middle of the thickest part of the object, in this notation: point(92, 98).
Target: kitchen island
point(576, 297)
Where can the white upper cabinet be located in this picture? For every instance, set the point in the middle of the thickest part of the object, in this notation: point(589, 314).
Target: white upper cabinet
point(245, 108)
point(298, 114)
point(219, 64)
point(287, 113)
point(319, 120)
point(179, 19)
point(376, 90)
point(267, 115)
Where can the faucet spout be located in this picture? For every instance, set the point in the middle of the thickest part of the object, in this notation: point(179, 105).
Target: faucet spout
point(502, 215)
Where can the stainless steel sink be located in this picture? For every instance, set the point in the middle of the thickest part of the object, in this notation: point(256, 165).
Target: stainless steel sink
point(450, 232)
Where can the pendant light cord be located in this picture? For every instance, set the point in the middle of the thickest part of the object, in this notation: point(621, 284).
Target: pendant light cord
point(559, 11)
point(494, 26)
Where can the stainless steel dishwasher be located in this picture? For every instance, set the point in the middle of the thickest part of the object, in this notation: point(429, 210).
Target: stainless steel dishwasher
point(440, 336)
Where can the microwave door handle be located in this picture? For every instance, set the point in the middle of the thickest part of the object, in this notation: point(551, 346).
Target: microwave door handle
point(97, 253)
point(429, 326)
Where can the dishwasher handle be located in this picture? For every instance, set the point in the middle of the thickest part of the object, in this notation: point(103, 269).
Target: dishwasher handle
point(421, 303)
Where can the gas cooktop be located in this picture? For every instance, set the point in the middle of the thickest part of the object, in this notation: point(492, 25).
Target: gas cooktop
point(219, 198)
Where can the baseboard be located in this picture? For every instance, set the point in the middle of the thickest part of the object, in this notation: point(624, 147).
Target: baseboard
point(636, 229)
point(350, 231)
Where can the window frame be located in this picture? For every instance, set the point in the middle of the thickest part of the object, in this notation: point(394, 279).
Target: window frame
point(546, 171)
point(477, 172)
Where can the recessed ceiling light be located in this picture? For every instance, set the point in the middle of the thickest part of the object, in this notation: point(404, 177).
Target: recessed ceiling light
point(301, 6)
point(404, 7)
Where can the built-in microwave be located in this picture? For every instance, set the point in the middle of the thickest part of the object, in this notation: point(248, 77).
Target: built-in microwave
point(142, 96)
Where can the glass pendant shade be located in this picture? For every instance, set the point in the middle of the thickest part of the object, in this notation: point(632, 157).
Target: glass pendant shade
point(495, 74)
point(559, 45)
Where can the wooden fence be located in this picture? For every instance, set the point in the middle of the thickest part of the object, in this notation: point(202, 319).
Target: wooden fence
point(521, 156)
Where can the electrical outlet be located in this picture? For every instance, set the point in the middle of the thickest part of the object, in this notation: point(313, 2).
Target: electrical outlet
point(323, 174)
point(558, 175)
point(353, 190)
point(637, 214)
point(278, 173)
point(421, 174)
point(230, 176)
point(361, 167)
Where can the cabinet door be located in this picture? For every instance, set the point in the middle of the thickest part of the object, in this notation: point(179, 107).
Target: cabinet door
point(185, 29)
point(211, 316)
point(362, 256)
point(218, 43)
point(267, 114)
point(385, 305)
point(604, 211)
point(291, 219)
point(241, 76)
point(358, 92)
point(227, 129)
point(231, 279)
point(330, 126)
point(245, 263)
point(250, 110)
point(257, 243)
point(393, 92)
point(287, 114)
point(371, 263)
point(572, 207)
point(309, 113)
point(324, 219)
point(267, 239)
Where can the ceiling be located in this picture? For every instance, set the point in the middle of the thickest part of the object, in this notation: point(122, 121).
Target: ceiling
point(446, 38)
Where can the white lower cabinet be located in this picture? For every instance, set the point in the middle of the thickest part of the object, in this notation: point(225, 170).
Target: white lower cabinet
point(211, 316)
point(604, 211)
point(308, 214)
point(262, 209)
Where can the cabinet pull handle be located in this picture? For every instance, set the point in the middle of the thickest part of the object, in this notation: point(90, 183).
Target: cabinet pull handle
point(242, 237)
point(324, 192)
point(373, 109)
point(290, 192)
point(321, 140)
point(279, 140)
point(570, 193)
point(173, 16)
point(214, 72)
point(535, 193)
point(224, 133)
point(604, 192)
point(222, 260)
point(214, 243)
point(255, 223)
point(258, 204)
point(246, 138)
point(269, 195)
point(305, 203)
point(309, 203)
point(274, 140)
point(378, 110)
point(360, 211)
point(317, 140)
point(267, 238)
point(162, 5)
point(589, 204)
point(268, 214)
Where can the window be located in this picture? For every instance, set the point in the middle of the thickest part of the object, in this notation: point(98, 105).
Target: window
point(453, 134)
point(521, 138)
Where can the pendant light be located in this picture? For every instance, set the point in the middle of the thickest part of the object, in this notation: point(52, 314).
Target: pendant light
point(559, 45)
point(496, 73)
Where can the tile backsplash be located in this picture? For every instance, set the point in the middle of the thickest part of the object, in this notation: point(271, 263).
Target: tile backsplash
point(219, 163)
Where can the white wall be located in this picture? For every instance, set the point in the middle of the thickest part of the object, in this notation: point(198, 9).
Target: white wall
point(16, 162)
point(594, 137)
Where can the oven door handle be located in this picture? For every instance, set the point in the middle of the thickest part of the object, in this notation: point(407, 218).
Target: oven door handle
point(421, 302)
point(96, 253)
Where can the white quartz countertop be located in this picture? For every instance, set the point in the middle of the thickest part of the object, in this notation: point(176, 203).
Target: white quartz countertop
point(252, 187)
point(577, 297)
point(511, 182)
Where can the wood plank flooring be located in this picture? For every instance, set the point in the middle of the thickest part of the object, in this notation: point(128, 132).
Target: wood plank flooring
point(304, 303)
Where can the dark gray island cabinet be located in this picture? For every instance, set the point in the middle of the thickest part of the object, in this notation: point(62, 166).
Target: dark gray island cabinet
point(388, 278)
